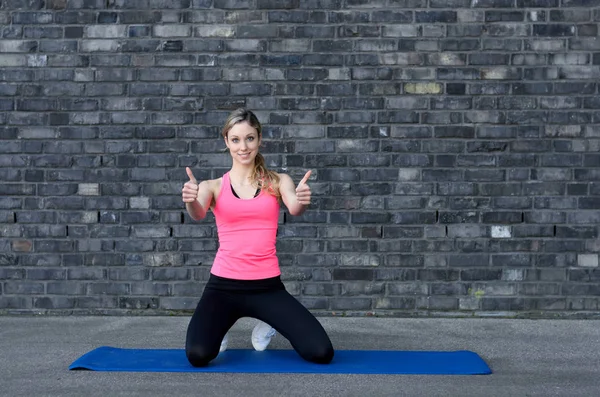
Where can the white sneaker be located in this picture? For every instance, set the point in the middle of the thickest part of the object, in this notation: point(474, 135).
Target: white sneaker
point(262, 335)
point(224, 343)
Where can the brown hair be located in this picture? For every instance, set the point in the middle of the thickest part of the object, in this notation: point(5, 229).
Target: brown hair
point(265, 179)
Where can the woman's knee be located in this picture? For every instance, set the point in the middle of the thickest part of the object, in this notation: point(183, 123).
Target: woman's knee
point(198, 356)
point(320, 354)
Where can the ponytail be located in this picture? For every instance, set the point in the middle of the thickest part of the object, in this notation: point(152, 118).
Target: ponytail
point(266, 179)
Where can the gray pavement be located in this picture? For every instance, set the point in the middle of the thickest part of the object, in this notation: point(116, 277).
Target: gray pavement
point(528, 358)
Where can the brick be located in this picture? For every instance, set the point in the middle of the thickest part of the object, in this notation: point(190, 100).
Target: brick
point(293, 17)
point(459, 44)
point(462, 74)
point(171, 31)
point(504, 16)
point(23, 288)
point(18, 46)
point(553, 30)
point(512, 260)
point(10, 32)
point(492, 3)
point(350, 303)
point(435, 16)
point(99, 45)
point(537, 3)
point(54, 303)
point(24, 5)
point(401, 303)
point(579, 3)
point(423, 88)
point(352, 274)
point(587, 30)
point(105, 31)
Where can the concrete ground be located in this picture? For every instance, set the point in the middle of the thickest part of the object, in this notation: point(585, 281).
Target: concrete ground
point(527, 357)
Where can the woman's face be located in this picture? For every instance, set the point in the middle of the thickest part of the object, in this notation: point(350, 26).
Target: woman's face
point(243, 142)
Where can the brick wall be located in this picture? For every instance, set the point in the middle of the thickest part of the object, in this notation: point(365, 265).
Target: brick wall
point(454, 148)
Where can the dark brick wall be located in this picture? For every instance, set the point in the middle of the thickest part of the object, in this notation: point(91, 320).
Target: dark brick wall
point(454, 147)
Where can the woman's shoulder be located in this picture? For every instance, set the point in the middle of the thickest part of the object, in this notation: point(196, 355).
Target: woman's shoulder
point(285, 184)
point(284, 179)
point(214, 184)
point(283, 175)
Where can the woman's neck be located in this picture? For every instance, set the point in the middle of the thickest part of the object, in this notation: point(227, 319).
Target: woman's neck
point(240, 175)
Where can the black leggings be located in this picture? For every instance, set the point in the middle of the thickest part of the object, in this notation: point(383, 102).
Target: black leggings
point(224, 301)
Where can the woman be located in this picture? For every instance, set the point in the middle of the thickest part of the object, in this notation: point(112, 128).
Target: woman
point(245, 276)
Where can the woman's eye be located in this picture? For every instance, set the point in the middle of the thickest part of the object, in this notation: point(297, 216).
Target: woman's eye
point(251, 138)
point(234, 140)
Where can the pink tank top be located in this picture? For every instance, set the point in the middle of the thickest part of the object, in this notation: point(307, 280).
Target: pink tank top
point(247, 234)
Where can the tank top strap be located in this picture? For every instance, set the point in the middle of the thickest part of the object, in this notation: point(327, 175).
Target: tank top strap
point(225, 186)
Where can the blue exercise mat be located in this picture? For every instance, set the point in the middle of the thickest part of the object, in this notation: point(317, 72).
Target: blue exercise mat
point(286, 361)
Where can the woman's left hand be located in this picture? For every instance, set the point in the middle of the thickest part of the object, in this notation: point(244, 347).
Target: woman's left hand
point(303, 190)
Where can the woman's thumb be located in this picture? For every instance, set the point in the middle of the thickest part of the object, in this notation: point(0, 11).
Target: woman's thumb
point(191, 175)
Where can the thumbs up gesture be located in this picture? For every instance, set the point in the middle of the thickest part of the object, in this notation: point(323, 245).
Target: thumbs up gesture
point(190, 188)
point(303, 191)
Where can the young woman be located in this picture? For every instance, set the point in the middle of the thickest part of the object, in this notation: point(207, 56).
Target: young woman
point(245, 276)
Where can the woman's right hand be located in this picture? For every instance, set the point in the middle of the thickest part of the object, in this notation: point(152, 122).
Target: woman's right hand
point(189, 193)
